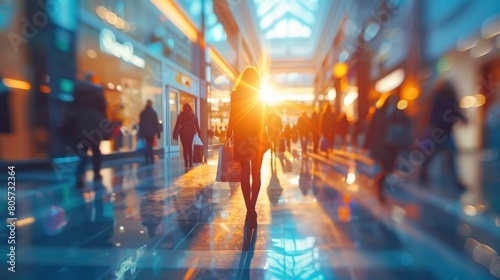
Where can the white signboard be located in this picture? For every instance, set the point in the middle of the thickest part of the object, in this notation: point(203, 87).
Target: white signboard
point(125, 51)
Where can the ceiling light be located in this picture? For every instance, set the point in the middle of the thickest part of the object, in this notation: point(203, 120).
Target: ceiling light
point(371, 31)
point(91, 53)
point(402, 104)
point(340, 69)
point(17, 84)
point(332, 93)
point(467, 102)
point(481, 49)
point(391, 81)
point(111, 18)
point(411, 93)
point(480, 100)
point(344, 55)
point(101, 12)
point(464, 43)
point(491, 27)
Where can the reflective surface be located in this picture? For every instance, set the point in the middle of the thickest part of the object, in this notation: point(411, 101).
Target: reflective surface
point(317, 220)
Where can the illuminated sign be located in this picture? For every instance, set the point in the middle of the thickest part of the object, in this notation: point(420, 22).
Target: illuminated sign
point(183, 79)
point(125, 51)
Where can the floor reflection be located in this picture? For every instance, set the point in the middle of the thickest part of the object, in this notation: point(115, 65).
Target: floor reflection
point(157, 222)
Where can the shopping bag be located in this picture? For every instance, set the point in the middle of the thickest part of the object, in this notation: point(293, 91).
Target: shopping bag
point(197, 140)
point(228, 169)
point(198, 154)
point(140, 147)
point(324, 144)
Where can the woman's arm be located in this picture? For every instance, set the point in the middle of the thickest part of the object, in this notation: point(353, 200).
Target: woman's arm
point(175, 133)
point(197, 126)
point(230, 127)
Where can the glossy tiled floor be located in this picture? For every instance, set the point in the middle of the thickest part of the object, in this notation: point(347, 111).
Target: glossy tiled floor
point(145, 222)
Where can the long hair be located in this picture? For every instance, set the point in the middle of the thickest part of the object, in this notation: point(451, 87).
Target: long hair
point(247, 84)
point(245, 97)
point(186, 108)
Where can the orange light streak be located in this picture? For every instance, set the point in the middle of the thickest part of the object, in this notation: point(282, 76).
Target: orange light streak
point(178, 18)
point(17, 84)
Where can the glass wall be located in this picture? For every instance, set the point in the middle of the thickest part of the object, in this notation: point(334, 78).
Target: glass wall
point(218, 102)
point(16, 89)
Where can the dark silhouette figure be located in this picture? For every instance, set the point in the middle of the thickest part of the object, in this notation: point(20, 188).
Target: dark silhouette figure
point(186, 127)
point(445, 113)
point(274, 132)
point(149, 127)
point(382, 152)
point(342, 129)
point(287, 132)
point(315, 131)
point(88, 112)
point(326, 125)
point(304, 128)
point(247, 127)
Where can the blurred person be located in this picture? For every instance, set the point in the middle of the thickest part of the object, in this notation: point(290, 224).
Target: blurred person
point(186, 127)
point(492, 126)
point(315, 131)
point(342, 129)
point(89, 111)
point(149, 127)
point(384, 153)
point(5, 120)
point(295, 134)
point(274, 131)
point(326, 125)
point(247, 121)
point(287, 133)
point(445, 113)
point(304, 128)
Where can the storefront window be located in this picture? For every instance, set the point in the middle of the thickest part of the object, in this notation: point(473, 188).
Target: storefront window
point(17, 140)
point(129, 81)
point(218, 103)
point(143, 22)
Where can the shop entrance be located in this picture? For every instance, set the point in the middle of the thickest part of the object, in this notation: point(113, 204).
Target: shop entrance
point(177, 99)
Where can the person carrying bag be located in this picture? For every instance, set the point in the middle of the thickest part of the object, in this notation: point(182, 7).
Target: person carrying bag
point(198, 153)
point(247, 128)
point(228, 169)
point(186, 128)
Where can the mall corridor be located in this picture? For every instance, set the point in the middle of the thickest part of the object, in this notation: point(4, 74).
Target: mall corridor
point(317, 219)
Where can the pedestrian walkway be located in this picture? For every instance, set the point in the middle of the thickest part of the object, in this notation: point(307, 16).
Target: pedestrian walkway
point(145, 222)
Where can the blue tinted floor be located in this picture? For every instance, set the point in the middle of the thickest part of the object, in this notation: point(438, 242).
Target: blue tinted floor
point(160, 222)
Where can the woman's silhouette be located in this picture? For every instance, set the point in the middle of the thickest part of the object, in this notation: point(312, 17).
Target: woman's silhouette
point(247, 125)
point(187, 126)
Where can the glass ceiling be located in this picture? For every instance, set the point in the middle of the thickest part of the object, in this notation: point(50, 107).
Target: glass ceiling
point(286, 18)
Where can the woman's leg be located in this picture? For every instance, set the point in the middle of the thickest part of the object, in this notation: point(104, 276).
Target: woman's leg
point(256, 181)
point(185, 146)
point(190, 153)
point(245, 182)
point(149, 149)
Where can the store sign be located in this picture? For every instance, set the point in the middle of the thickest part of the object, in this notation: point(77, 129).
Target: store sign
point(183, 79)
point(125, 51)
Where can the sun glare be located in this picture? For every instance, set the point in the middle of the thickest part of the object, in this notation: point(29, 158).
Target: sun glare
point(267, 95)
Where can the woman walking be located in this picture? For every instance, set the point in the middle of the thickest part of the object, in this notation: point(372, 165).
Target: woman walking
point(186, 127)
point(326, 126)
point(247, 127)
